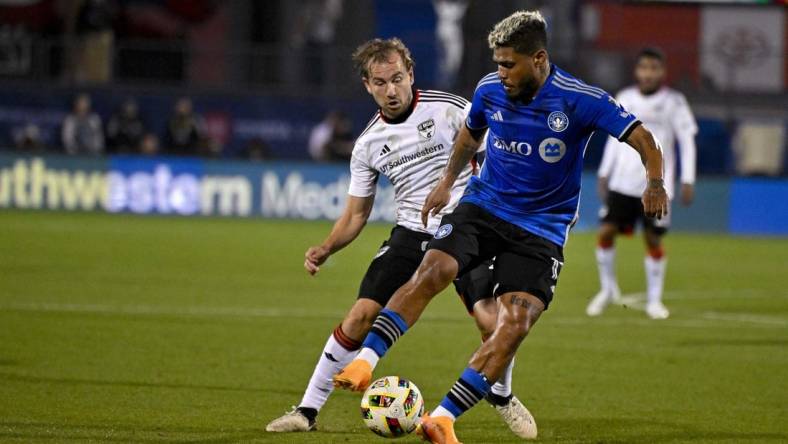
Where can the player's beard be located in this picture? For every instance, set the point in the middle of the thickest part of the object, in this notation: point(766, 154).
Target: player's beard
point(526, 89)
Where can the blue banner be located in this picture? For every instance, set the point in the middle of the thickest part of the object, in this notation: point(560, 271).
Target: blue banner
point(759, 206)
point(182, 186)
point(192, 187)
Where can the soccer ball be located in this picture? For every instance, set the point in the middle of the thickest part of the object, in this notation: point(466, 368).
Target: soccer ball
point(392, 407)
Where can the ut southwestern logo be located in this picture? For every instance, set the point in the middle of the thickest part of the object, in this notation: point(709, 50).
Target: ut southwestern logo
point(551, 150)
point(557, 121)
point(443, 231)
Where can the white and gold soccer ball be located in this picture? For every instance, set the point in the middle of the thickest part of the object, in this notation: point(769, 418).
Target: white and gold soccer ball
point(392, 406)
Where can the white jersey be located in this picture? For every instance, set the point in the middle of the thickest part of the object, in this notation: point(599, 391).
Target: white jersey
point(412, 153)
point(668, 116)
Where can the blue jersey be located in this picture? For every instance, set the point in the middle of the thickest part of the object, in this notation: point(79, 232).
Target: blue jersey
point(534, 159)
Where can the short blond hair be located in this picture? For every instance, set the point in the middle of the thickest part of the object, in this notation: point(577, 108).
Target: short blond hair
point(525, 31)
point(378, 50)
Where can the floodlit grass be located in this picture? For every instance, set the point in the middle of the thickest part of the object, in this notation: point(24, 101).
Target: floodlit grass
point(148, 330)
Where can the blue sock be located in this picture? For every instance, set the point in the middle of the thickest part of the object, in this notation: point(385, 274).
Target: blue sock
point(386, 329)
point(471, 388)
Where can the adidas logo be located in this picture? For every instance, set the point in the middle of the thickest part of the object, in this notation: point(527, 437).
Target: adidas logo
point(497, 116)
point(384, 151)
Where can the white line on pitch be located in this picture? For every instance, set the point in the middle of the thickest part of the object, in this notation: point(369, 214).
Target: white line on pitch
point(744, 317)
point(704, 320)
point(637, 302)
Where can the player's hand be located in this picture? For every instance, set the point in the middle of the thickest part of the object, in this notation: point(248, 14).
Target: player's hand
point(436, 201)
point(655, 199)
point(601, 188)
point(687, 193)
point(314, 258)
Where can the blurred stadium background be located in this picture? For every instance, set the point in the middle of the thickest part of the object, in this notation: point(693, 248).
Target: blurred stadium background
point(126, 328)
point(255, 82)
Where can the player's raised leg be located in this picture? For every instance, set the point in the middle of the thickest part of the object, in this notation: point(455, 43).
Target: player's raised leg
point(435, 273)
point(655, 264)
point(341, 347)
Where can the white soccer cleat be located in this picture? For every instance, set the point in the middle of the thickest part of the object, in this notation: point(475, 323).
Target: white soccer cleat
point(598, 304)
point(518, 418)
point(615, 296)
point(292, 421)
point(657, 310)
point(602, 300)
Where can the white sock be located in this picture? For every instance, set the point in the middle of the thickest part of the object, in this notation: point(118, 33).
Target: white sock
point(370, 356)
point(606, 263)
point(440, 411)
point(503, 387)
point(655, 278)
point(321, 384)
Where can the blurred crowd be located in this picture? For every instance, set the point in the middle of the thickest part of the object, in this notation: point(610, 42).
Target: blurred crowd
point(126, 131)
point(85, 132)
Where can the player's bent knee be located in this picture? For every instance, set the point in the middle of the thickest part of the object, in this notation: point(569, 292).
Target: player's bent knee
point(436, 271)
point(518, 329)
point(520, 312)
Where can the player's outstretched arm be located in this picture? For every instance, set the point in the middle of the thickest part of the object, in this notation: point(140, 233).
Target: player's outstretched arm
point(345, 229)
point(465, 146)
point(655, 198)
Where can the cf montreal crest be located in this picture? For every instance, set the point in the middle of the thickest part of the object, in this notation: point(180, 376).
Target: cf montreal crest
point(443, 231)
point(557, 121)
point(427, 129)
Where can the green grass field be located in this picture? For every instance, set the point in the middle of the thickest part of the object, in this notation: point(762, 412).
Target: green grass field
point(149, 330)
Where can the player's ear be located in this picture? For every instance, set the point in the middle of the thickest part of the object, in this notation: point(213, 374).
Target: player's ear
point(540, 58)
point(367, 86)
point(412, 76)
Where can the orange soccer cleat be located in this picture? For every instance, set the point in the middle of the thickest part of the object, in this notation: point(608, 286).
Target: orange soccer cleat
point(356, 376)
point(437, 430)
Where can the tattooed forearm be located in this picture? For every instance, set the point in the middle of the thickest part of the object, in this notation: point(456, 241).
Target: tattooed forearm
point(462, 154)
point(463, 151)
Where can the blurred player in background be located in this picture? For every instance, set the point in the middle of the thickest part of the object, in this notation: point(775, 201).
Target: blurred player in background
point(408, 140)
point(622, 180)
point(519, 209)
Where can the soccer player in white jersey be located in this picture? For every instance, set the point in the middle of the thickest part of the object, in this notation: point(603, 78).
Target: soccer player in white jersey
point(409, 140)
point(622, 180)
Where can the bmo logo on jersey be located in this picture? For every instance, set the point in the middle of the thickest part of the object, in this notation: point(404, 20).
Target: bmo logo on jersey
point(551, 150)
point(514, 146)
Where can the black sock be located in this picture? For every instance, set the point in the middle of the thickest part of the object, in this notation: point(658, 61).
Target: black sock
point(309, 413)
point(498, 400)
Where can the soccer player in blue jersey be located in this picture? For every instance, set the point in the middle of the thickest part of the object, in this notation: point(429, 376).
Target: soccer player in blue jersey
point(539, 120)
